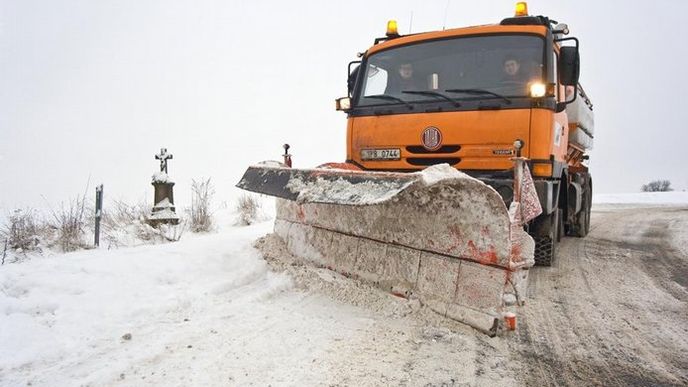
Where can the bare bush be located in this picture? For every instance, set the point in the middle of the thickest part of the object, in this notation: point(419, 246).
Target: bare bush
point(69, 222)
point(126, 224)
point(123, 223)
point(247, 208)
point(22, 230)
point(120, 214)
point(200, 213)
point(657, 186)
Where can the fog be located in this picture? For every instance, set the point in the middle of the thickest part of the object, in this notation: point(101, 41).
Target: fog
point(90, 91)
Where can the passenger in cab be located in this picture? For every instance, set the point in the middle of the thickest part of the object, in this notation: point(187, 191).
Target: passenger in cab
point(406, 80)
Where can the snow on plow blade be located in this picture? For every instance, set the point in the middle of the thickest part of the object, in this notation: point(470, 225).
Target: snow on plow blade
point(439, 235)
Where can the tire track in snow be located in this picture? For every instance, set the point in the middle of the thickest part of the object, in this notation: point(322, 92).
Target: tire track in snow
point(587, 322)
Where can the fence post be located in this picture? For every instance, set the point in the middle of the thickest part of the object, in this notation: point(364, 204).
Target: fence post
point(99, 213)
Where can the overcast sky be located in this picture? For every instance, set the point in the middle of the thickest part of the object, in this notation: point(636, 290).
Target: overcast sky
point(95, 88)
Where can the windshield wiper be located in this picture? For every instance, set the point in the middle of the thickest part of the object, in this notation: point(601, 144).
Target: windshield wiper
point(388, 97)
point(433, 94)
point(480, 91)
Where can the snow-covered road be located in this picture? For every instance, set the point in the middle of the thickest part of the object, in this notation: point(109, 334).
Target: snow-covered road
point(612, 310)
point(209, 310)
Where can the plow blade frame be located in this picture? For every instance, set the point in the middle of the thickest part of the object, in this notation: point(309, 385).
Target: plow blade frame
point(449, 241)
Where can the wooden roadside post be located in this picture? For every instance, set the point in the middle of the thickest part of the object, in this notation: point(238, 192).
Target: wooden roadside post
point(99, 214)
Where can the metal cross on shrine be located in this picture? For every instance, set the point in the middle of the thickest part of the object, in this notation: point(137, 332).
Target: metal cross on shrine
point(163, 157)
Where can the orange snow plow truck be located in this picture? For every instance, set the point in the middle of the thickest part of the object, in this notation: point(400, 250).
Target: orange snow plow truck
point(466, 153)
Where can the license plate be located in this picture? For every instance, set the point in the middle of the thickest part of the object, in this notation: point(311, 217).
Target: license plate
point(381, 154)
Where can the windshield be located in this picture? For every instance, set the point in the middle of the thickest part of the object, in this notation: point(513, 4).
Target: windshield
point(484, 67)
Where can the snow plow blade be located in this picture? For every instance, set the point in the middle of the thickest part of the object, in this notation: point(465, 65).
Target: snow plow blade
point(439, 235)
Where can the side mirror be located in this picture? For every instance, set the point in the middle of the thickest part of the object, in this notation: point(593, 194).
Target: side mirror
point(351, 79)
point(569, 66)
point(569, 69)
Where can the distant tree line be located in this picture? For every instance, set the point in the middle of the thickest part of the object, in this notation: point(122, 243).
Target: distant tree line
point(657, 186)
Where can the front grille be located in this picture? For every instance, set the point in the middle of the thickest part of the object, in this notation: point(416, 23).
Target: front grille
point(444, 149)
point(425, 162)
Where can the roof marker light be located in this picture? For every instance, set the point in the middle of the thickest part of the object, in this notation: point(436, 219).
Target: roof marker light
point(521, 8)
point(392, 30)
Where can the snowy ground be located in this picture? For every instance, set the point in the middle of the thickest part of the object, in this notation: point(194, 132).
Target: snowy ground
point(57, 312)
point(209, 310)
point(642, 199)
point(204, 311)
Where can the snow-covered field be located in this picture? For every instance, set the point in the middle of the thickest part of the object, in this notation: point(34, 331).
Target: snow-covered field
point(208, 310)
point(64, 317)
point(643, 198)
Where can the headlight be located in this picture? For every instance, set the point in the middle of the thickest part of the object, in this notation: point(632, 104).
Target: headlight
point(538, 90)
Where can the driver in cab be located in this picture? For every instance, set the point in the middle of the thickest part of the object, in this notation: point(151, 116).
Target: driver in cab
point(406, 80)
point(512, 71)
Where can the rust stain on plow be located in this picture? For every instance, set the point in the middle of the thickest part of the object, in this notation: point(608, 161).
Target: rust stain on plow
point(456, 236)
point(488, 257)
point(345, 166)
point(516, 251)
point(300, 213)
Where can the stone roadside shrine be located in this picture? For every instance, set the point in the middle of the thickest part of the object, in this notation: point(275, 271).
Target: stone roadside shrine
point(163, 210)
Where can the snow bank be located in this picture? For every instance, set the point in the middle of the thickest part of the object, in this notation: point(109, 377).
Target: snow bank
point(57, 312)
point(367, 192)
point(344, 191)
point(436, 173)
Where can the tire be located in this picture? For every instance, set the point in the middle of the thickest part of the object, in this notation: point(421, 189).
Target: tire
point(582, 225)
point(588, 213)
point(546, 235)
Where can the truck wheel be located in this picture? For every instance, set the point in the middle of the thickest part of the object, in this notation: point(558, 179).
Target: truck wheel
point(582, 226)
point(546, 232)
point(588, 212)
